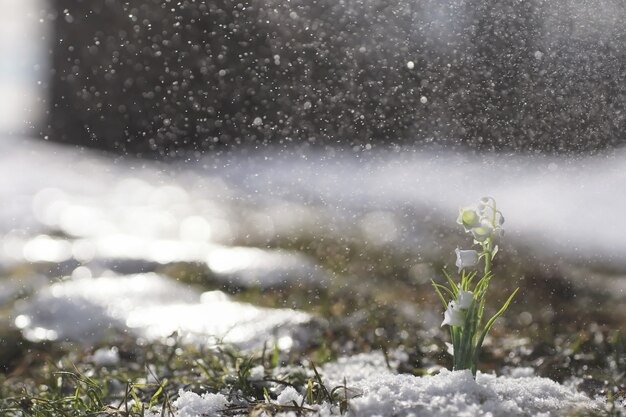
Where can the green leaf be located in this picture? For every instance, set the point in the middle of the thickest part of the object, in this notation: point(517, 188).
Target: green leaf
point(482, 284)
point(467, 279)
point(438, 288)
point(138, 404)
point(155, 396)
point(492, 321)
point(453, 286)
point(275, 355)
point(309, 392)
point(468, 330)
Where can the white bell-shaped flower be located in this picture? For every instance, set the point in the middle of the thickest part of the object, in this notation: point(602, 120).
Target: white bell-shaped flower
point(483, 231)
point(464, 299)
point(468, 218)
point(453, 316)
point(455, 313)
point(466, 258)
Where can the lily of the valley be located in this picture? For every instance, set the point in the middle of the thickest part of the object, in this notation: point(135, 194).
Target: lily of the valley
point(464, 299)
point(482, 221)
point(469, 217)
point(466, 258)
point(463, 308)
point(453, 316)
point(483, 231)
point(455, 313)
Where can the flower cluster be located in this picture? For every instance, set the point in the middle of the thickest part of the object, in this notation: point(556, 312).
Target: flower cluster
point(465, 305)
point(484, 222)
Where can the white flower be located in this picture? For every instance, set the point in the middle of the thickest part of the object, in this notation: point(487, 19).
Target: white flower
point(464, 299)
point(465, 258)
point(455, 313)
point(483, 231)
point(468, 218)
point(453, 316)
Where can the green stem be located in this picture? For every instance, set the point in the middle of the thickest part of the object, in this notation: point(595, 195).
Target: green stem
point(488, 253)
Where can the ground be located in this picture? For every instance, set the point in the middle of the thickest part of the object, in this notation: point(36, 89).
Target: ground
point(358, 280)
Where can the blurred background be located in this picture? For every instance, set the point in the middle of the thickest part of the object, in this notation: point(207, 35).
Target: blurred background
point(307, 155)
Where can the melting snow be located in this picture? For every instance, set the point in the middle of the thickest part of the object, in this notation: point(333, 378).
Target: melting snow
point(154, 307)
point(106, 356)
point(376, 391)
point(217, 200)
point(449, 393)
point(194, 405)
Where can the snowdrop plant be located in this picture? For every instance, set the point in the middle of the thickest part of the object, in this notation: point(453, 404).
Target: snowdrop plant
point(465, 301)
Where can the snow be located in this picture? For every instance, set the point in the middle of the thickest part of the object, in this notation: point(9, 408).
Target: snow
point(374, 390)
point(385, 393)
point(254, 267)
point(257, 373)
point(543, 197)
point(457, 394)
point(194, 405)
point(192, 212)
point(289, 396)
point(151, 306)
point(262, 196)
point(106, 356)
point(241, 266)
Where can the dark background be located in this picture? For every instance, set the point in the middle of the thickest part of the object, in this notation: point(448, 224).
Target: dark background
point(159, 78)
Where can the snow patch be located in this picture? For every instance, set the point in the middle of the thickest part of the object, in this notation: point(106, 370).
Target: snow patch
point(151, 306)
point(375, 390)
point(190, 404)
point(385, 393)
point(106, 356)
point(289, 396)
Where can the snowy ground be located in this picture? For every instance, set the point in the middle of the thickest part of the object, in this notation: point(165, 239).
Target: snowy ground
point(129, 216)
point(91, 230)
point(98, 222)
point(153, 307)
point(373, 390)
